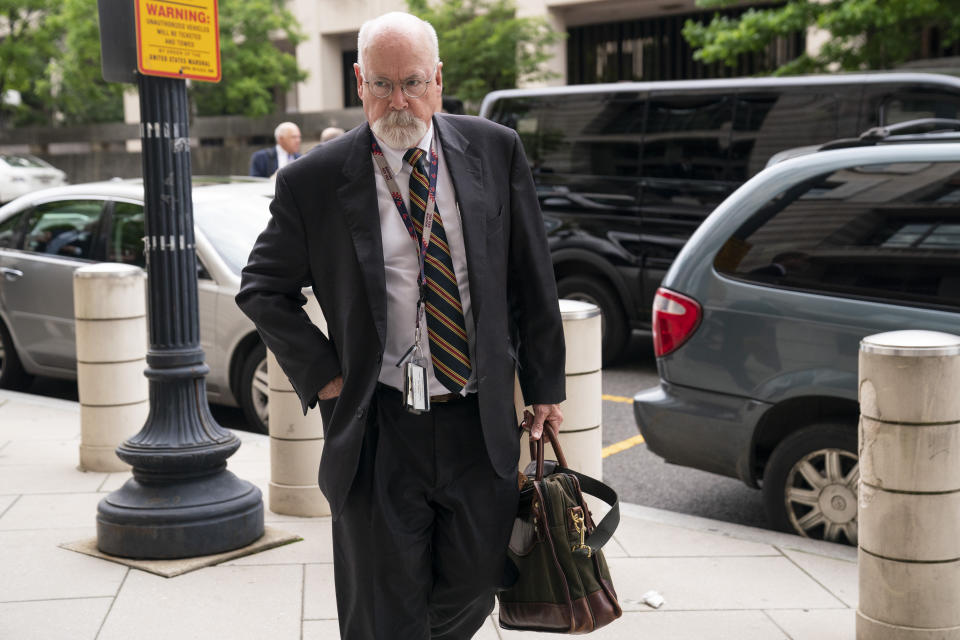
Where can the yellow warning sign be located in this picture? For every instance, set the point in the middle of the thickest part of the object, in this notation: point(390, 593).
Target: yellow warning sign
point(178, 39)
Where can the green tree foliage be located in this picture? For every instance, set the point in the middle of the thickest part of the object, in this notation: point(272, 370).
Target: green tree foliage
point(254, 69)
point(50, 54)
point(27, 43)
point(863, 34)
point(484, 45)
point(73, 84)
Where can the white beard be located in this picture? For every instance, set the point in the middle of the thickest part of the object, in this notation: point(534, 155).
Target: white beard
point(399, 129)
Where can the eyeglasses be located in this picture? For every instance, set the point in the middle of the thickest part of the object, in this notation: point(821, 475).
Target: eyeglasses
point(413, 87)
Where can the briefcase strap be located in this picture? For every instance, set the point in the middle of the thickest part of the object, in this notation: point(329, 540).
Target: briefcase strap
point(604, 530)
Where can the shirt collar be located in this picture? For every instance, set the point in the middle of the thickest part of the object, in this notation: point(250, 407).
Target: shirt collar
point(394, 157)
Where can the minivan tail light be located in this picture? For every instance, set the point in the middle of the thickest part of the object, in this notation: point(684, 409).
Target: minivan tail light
point(675, 318)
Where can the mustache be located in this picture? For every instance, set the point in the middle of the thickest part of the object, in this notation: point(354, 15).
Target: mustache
point(399, 129)
point(402, 119)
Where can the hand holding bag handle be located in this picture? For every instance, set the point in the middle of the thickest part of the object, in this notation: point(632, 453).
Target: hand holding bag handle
point(603, 531)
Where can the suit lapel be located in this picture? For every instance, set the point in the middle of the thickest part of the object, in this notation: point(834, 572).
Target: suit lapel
point(358, 197)
point(466, 172)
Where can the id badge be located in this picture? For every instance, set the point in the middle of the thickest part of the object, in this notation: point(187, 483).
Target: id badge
point(415, 398)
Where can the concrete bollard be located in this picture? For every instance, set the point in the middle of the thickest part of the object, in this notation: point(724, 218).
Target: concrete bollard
point(909, 519)
point(111, 330)
point(580, 434)
point(296, 442)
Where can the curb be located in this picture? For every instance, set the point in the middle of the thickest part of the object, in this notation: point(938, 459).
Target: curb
point(742, 532)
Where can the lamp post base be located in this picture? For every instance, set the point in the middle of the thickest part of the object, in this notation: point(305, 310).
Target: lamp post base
point(199, 517)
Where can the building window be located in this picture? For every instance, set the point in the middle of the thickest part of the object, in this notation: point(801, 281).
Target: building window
point(652, 49)
point(350, 97)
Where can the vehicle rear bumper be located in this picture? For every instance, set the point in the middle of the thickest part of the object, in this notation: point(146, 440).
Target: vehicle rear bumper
point(700, 429)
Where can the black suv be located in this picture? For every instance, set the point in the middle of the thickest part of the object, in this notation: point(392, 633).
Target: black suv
point(626, 172)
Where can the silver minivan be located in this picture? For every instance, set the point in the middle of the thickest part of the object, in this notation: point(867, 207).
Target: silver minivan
point(758, 322)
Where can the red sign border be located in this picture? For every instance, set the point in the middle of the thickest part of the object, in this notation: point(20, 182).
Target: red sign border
point(163, 74)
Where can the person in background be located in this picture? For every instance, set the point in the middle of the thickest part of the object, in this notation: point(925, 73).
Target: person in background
point(266, 162)
point(330, 133)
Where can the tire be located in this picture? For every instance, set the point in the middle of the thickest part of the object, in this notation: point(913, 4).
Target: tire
point(253, 389)
point(613, 320)
point(811, 481)
point(12, 374)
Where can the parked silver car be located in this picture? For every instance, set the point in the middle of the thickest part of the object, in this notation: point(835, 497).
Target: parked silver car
point(22, 173)
point(47, 234)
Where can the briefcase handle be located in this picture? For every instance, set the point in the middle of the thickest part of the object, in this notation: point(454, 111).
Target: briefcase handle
point(605, 528)
point(537, 448)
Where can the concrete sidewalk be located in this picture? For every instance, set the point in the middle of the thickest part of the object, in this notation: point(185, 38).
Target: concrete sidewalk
point(718, 580)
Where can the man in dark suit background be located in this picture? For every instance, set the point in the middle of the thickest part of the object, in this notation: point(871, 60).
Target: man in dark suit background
point(423, 503)
point(266, 162)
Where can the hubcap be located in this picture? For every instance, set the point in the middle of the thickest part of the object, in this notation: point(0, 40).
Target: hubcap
point(821, 495)
point(258, 392)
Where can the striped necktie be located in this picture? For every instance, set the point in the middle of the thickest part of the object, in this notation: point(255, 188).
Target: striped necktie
point(445, 326)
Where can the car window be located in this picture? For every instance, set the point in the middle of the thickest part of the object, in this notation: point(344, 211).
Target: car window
point(920, 103)
point(66, 228)
point(126, 234)
point(686, 150)
point(890, 103)
point(766, 122)
point(29, 162)
point(590, 134)
point(889, 232)
point(8, 230)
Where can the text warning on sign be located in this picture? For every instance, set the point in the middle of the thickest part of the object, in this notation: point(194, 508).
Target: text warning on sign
point(178, 39)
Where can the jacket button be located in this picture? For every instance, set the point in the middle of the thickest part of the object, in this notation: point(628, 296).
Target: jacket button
point(360, 413)
point(379, 358)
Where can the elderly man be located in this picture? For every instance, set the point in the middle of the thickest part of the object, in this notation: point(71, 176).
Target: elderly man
point(266, 162)
point(421, 236)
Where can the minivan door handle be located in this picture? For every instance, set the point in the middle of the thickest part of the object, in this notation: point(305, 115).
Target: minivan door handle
point(11, 274)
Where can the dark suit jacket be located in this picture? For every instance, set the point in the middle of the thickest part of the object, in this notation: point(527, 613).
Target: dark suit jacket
point(325, 233)
point(264, 163)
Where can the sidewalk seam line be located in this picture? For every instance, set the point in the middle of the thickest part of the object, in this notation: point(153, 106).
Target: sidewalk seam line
point(809, 575)
point(112, 603)
point(303, 596)
point(56, 599)
point(776, 624)
point(100, 488)
point(10, 506)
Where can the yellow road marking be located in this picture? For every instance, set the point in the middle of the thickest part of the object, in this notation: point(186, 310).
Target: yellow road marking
point(617, 398)
point(623, 445)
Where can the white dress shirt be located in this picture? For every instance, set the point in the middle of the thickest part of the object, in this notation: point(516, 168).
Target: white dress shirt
point(283, 158)
point(402, 267)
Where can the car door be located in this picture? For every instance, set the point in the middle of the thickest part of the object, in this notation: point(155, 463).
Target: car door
point(59, 237)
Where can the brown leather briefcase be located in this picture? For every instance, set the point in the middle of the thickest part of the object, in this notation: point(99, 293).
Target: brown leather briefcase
point(562, 580)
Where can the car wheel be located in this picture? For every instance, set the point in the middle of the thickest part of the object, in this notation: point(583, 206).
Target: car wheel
point(613, 321)
point(12, 374)
point(811, 482)
point(253, 389)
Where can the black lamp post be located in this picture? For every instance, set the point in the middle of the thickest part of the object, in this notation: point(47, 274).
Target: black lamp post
point(181, 501)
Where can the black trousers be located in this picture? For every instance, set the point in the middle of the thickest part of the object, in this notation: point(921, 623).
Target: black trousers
point(420, 546)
